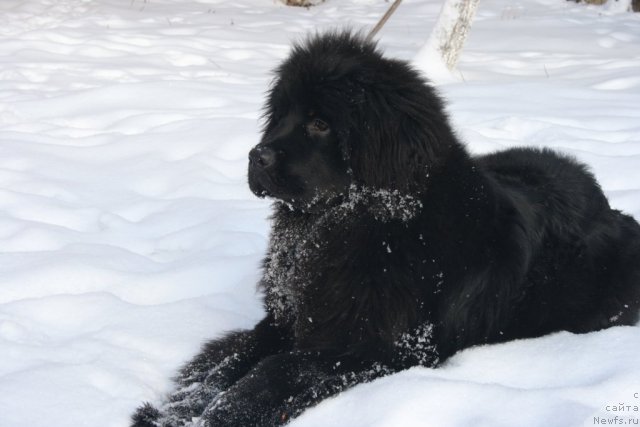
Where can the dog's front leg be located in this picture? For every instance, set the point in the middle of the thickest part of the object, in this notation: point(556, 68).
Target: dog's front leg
point(217, 367)
point(282, 386)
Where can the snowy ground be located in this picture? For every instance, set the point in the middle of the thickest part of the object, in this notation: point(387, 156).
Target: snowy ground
point(128, 234)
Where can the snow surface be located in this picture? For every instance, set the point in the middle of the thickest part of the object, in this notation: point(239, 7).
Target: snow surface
point(128, 235)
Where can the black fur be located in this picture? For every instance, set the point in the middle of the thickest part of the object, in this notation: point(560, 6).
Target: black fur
point(393, 247)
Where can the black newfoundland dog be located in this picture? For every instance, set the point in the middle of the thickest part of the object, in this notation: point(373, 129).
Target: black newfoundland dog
point(392, 247)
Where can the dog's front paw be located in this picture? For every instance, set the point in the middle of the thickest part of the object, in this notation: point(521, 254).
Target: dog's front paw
point(234, 411)
point(145, 416)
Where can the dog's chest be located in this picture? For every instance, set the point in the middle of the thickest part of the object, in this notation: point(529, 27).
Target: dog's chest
point(302, 246)
point(288, 270)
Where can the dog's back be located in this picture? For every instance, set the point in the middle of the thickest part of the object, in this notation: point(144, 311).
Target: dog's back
point(596, 248)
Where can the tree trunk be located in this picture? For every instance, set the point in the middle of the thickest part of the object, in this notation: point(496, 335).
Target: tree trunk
point(450, 32)
point(304, 3)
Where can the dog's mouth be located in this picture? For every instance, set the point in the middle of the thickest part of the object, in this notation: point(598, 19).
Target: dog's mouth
point(264, 184)
point(260, 183)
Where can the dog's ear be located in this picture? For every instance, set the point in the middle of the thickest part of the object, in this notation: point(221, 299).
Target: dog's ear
point(399, 130)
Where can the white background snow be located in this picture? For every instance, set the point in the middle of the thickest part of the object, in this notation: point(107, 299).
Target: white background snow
point(128, 235)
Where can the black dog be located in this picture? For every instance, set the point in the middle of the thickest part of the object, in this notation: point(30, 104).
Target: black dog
point(392, 247)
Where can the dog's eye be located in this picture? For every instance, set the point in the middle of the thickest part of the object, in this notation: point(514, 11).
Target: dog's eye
point(318, 125)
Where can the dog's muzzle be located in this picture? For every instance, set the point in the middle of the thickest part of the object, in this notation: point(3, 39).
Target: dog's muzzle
point(262, 157)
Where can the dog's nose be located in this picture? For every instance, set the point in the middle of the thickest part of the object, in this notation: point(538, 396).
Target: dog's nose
point(262, 156)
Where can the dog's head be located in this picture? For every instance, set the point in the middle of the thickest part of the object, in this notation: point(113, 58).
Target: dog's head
point(339, 115)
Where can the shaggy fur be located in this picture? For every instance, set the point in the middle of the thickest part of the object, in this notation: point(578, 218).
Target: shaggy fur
point(392, 247)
